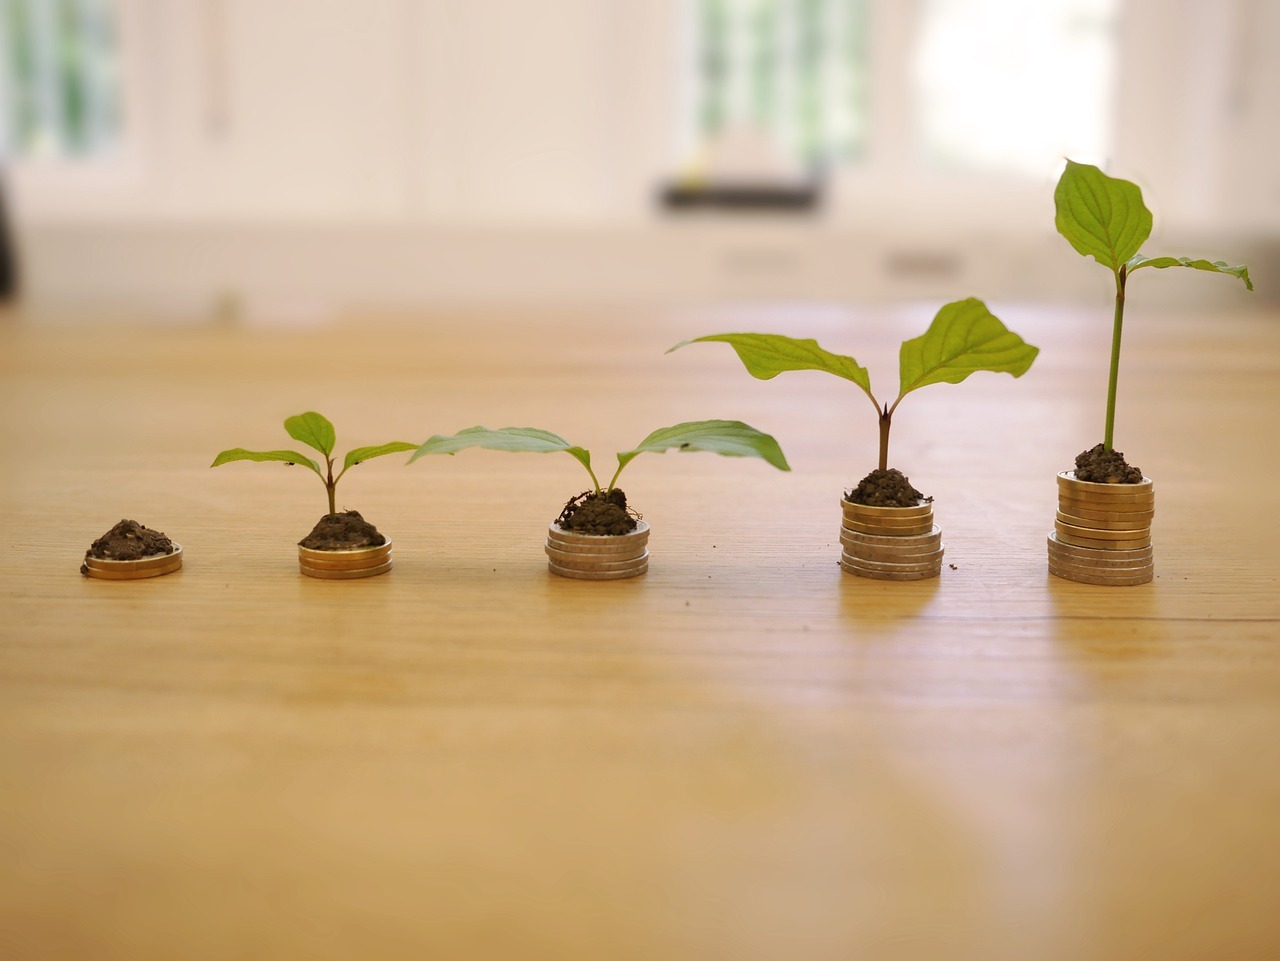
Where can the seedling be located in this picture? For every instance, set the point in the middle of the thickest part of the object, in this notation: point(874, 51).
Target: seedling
point(1104, 218)
point(316, 432)
point(731, 438)
point(728, 437)
point(964, 338)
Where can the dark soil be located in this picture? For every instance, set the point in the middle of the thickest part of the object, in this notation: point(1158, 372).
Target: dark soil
point(128, 541)
point(886, 488)
point(1102, 466)
point(344, 531)
point(592, 513)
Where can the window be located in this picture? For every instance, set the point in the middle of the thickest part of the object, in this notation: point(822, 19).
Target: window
point(59, 78)
point(905, 87)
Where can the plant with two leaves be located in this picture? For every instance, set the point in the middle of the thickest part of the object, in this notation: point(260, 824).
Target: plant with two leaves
point(965, 337)
point(1104, 218)
point(727, 437)
point(316, 432)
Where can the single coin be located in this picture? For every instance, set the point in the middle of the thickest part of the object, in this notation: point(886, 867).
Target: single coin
point(152, 566)
point(1102, 565)
point(345, 564)
point(862, 563)
point(1101, 534)
point(359, 556)
point(931, 538)
point(1073, 550)
point(1094, 524)
point(869, 512)
point(890, 530)
point(590, 563)
point(329, 574)
point(596, 575)
point(1102, 544)
point(1133, 510)
point(909, 555)
point(563, 556)
point(603, 551)
point(1088, 513)
point(1097, 570)
point(1066, 480)
point(1083, 578)
point(890, 575)
point(554, 530)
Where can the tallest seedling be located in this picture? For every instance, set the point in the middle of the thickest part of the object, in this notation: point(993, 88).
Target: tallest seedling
point(1104, 218)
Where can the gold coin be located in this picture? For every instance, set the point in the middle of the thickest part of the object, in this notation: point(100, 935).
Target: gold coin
point(1098, 570)
point(330, 574)
point(1102, 565)
point(1093, 524)
point(345, 559)
point(911, 555)
point(1100, 534)
point(927, 541)
point(1119, 581)
point(589, 563)
point(891, 575)
point(869, 512)
point(1075, 551)
point(610, 557)
point(862, 563)
point(1103, 544)
point(1089, 513)
point(596, 575)
point(1068, 481)
point(345, 564)
point(152, 566)
point(890, 530)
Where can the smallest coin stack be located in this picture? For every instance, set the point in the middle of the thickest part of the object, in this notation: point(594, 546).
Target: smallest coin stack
point(598, 557)
point(151, 566)
point(344, 565)
point(1102, 534)
point(890, 543)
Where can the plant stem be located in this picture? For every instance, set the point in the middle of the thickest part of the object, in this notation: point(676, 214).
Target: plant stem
point(886, 419)
point(331, 486)
point(1121, 276)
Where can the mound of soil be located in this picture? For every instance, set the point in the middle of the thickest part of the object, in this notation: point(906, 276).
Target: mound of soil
point(592, 513)
point(129, 541)
point(886, 488)
point(344, 531)
point(1102, 466)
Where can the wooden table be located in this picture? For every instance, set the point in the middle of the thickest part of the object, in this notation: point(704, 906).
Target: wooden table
point(744, 754)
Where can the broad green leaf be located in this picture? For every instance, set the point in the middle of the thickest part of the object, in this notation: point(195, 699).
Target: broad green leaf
point(964, 338)
point(1216, 266)
point(767, 355)
point(287, 456)
point(1102, 217)
point(729, 437)
point(312, 429)
point(360, 454)
point(506, 438)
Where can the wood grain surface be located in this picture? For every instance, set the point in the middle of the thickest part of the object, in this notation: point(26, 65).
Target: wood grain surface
point(743, 754)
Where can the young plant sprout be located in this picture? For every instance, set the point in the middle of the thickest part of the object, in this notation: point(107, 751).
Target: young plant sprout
point(964, 338)
point(728, 437)
point(316, 432)
point(1104, 218)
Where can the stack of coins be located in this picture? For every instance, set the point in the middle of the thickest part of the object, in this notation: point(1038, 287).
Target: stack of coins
point(890, 543)
point(344, 565)
point(1103, 532)
point(152, 566)
point(598, 557)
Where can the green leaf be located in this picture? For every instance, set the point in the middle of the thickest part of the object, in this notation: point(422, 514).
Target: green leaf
point(360, 454)
point(1239, 271)
point(1102, 217)
point(731, 438)
point(964, 338)
point(767, 355)
point(287, 456)
point(312, 429)
point(507, 438)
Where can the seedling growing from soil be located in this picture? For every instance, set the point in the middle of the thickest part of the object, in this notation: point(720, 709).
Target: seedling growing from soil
point(316, 432)
point(728, 437)
point(1104, 218)
point(964, 338)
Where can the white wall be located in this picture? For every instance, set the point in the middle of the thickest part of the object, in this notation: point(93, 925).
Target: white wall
point(364, 152)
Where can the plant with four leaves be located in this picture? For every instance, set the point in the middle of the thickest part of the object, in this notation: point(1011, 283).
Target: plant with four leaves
point(316, 432)
point(728, 437)
point(965, 337)
point(1104, 218)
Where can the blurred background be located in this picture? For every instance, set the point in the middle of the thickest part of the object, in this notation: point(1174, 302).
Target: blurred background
point(295, 160)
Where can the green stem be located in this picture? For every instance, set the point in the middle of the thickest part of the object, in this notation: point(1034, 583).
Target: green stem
point(1121, 276)
point(596, 482)
point(331, 487)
